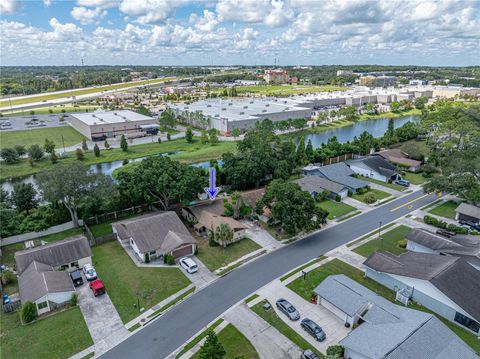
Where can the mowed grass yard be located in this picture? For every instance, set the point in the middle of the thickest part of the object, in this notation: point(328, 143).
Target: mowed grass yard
point(394, 186)
point(446, 209)
point(125, 282)
point(57, 336)
point(335, 209)
point(305, 289)
point(236, 345)
point(38, 136)
point(217, 257)
point(388, 242)
point(188, 153)
point(414, 178)
point(379, 195)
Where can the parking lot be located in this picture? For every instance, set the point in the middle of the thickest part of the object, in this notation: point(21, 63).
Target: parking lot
point(20, 123)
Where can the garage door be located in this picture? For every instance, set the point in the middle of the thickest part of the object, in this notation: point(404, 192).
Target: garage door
point(333, 309)
point(181, 252)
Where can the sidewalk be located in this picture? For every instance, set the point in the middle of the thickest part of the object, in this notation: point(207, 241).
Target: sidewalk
point(261, 237)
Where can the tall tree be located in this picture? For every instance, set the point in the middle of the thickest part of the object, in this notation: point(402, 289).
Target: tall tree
point(167, 119)
point(309, 151)
point(96, 150)
point(123, 144)
point(301, 155)
point(223, 234)
point(24, 197)
point(212, 348)
point(35, 152)
point(49, 146)
point(9, 155)
point(189, 135)
point(73, 185)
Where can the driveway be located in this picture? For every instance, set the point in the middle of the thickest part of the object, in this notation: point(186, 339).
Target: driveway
point(103, 322)
point(201, 278)
point(332, 325)
point(261, 236)
point(267, 340)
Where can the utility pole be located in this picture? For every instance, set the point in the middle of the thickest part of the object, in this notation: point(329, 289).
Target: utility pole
point(63, 141)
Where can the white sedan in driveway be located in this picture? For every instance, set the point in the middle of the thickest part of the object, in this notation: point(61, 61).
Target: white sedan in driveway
point(89, 272)
point(188, 264)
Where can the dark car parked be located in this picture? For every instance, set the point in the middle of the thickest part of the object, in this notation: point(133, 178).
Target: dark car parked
point(313, 329)
point(76, 278)
point(472, 225)
point(286, 307)
point(402, 182)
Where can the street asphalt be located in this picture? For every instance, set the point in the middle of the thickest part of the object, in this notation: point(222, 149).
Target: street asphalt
point(161, 337)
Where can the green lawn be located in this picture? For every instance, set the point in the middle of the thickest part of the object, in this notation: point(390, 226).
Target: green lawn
point(125, 282)
point(412, 112)
point(279, 90)
point(414, 178)
point(235, 344)
point(335, 209)
point(305, 288)
point(272, 318)
point(57, 109)
point(379, 195)
point(446, 209)
point(198, 338)
point(394, 186)
point(296, 270)
point(38, 136)
point(216, 257)
point(388, 242)
point(188, 153)
point(58, 336)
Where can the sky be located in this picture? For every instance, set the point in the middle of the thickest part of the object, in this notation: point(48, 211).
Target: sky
point(239, 32)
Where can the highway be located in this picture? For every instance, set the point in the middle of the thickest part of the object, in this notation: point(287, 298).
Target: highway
point(171, 330)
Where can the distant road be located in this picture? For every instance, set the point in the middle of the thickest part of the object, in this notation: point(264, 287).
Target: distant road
point(175, 327)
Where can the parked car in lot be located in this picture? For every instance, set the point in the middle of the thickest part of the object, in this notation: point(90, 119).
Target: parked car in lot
point(472, 225)
point(77, 278)
point(89, 272)
point(445, 233)
point(402, 182)
point(309, 354)
point(188, 264)
point(313, 329)
point(286, 307)
point(97, 287)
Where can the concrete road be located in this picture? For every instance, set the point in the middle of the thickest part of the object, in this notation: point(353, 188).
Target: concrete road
point(175, 327)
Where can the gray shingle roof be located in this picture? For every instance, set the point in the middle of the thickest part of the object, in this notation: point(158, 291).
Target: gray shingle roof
point(377, 164)
point(39, 279)
point(391, 331)
point(453, 276)
point(55, 254)
point(162, 231)
point(341, 173)
point(319, 184)
point(469, 210)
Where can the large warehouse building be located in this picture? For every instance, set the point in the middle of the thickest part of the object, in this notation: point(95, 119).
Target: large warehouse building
point(105, 124)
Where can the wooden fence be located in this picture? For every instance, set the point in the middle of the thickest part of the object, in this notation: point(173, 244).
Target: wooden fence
point(106, 217)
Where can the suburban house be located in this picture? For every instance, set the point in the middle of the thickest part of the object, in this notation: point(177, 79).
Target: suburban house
point(43, 272)
point(374, 167)
point(386, 330)
point(339, 173)
point(209, 215)
point(68, 254)
point(155, 235)
point(468, 212)
point(446, 285)
point(316, 185)
point(252, 197)
point(463, 246)
point(400, 158)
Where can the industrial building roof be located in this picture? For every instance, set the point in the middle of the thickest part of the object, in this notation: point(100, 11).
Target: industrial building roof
point(110, 117)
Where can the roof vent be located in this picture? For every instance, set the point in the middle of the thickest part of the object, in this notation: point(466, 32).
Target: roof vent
point(267, 105)
point(245, 106)
point(242, 113)
point(224, 108)
point(209, 105)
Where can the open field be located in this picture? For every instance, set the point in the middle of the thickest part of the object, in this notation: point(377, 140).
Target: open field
point(446, 209)
point(236, 345)
point(86, 91)
point(54, 109)
point(286, 89)
point(188, 153)
point(335, 209)
point(59, 135)
point(412, 112)
point(126, 283)
point(57, 336)
point(305, 288)
point(388, 242)
point(217, 257)
point(379, 195)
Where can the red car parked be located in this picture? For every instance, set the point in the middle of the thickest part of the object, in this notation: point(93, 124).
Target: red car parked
point(97, 287)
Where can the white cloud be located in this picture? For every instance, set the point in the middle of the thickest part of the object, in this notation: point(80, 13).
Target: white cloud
point(87, 16)
point(9, 6)
point(47, 3)
point(151, 11)
point(273, 13)
point(98, 3)
point(208, 22)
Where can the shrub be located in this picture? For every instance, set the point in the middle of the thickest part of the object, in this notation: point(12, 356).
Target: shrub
point(335, 350)
point(96, 150)
point(159, 140)
point(338, 198)
point(7, 277)
point(9, 155)
point(370, 198)
point(444, 225)
point(53, 157)
point(211, 239)
point(147, 258)
point(27, 312)
point(169, 259)
point(74, 300)
point(228, 210)
point(125, 162)
point(362, 190)
point(35, 152)
point(79, 154)
point(350, 193)
point(402, 243)
point(169, 137)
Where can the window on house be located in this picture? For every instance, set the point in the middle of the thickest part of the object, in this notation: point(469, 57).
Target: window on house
point(152, 253)
point(42, 305)
point(467, 322)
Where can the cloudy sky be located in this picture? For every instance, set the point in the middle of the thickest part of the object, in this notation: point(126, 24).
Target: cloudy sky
point(184, 32)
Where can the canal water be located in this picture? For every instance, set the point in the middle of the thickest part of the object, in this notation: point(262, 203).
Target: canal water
point(376, 127)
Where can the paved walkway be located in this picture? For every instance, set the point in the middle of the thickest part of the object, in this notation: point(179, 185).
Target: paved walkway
point(261, 237)
point(267, 340)
point(102, 319)
point(345, 254)
point(357, 204)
